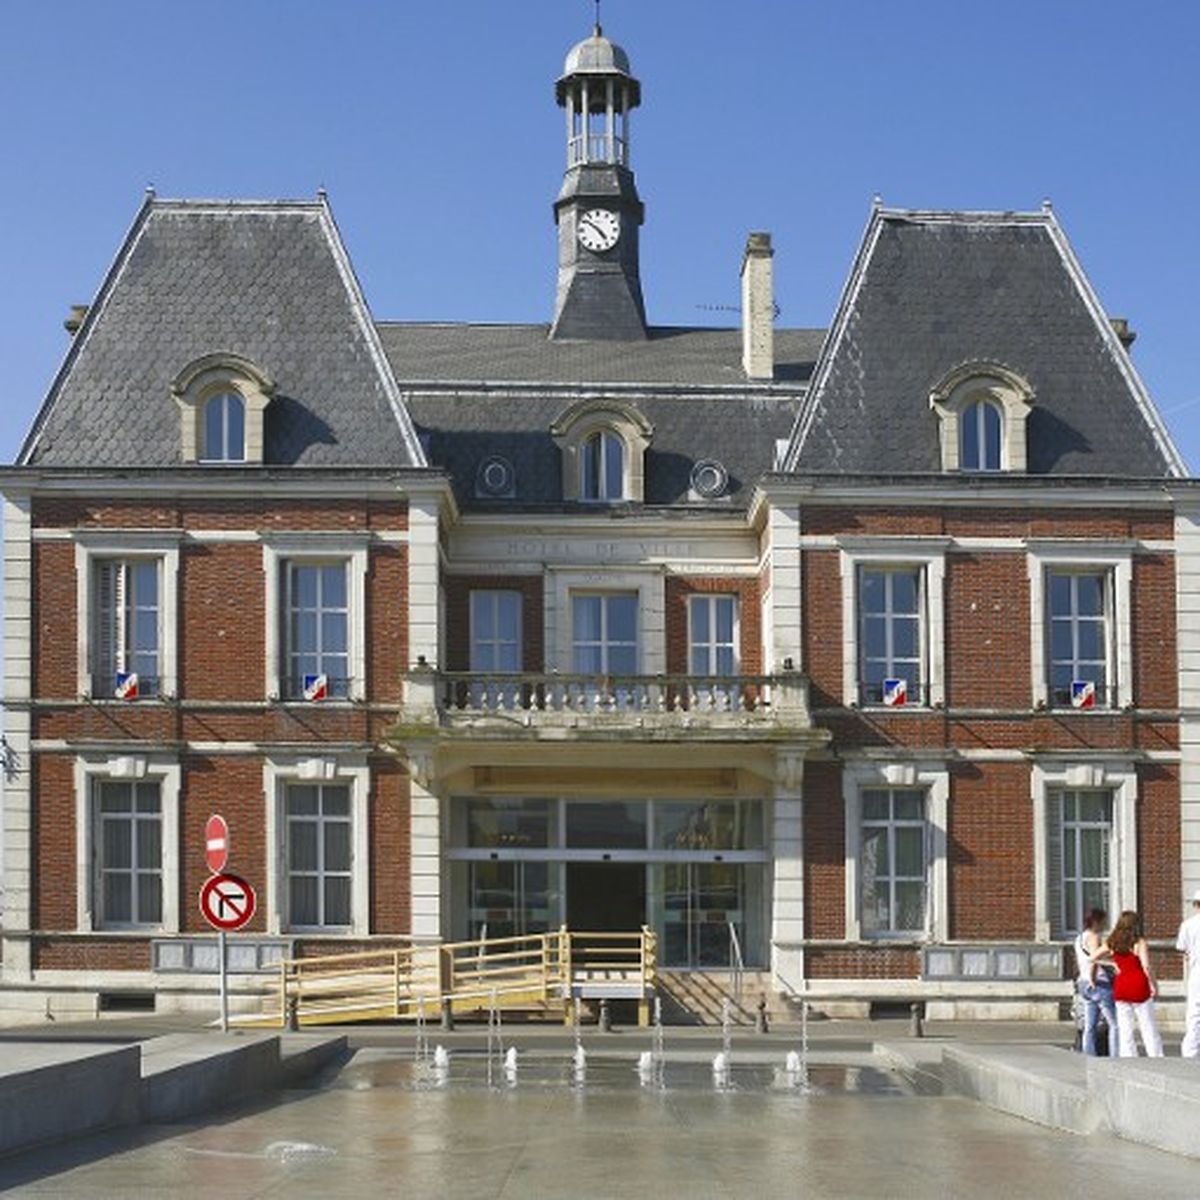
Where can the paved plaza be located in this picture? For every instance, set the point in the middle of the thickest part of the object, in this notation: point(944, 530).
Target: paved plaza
point(381, 1125)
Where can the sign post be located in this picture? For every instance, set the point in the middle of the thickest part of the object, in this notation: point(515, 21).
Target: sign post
point(226, 901)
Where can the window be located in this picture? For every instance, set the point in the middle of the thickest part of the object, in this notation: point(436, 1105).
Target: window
point(128, 851)
point(604, 634)
point(983, 412)
point(712, 623)
point(1085, 830)
point(222, 398)
point(602, 467)
point(317, 617)
point(126, 627)
point(1083, 823)
point(495, 631)
point(318, 856)
point(890, 635)
point(892, 861)
point(1079, 608)
point(603, 444)
point(224, 428)
point(982, 428)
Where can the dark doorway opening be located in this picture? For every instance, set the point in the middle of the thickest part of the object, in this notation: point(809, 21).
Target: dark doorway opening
point(606, 897)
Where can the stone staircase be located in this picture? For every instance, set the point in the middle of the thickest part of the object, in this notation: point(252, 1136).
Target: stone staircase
point(695, 998)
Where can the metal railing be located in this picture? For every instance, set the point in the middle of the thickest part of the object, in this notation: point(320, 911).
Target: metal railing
point(597, 147)
point(737, 965)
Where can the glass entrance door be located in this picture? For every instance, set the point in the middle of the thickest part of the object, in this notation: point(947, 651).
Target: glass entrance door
point(509, 899)
point(699, 902)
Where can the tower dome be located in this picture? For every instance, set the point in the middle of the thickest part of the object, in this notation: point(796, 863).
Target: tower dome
point(597, 55)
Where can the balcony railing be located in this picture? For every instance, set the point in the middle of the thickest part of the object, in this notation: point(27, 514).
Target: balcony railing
point(473, 700)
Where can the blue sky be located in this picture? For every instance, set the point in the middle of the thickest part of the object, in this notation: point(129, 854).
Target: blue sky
point(434, 129)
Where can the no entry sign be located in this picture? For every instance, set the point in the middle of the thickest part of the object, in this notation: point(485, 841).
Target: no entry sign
point(216, 843)
point(227, 902)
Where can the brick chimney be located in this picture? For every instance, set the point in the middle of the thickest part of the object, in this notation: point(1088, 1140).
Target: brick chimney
point(758, 308)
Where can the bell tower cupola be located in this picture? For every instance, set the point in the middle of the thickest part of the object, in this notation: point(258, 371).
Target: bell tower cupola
point(598, 211)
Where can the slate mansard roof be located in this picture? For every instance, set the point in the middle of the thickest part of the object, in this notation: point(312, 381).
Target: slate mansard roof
point(932, 291)
point(271, 282)
point(268, 281)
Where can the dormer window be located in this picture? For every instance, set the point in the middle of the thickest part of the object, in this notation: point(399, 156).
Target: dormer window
point(983, 409)
point(981, 426)
point(224, 428)
point(603, 444)
point(602, 467)
point(221, 399)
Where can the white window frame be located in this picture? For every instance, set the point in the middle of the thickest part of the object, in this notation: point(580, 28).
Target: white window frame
point(934, 779)
point(710, 599)
point(347, 770)
point(212, 375)
point(316, 548)
point(604, 642)
point(108, 544)
point(1044, 556)
point(651, 615)
point(608, 440)
point(927, 556)
point(574, 427)
point(1114, 775)
point(225, 396)
point(981, 405)
point(132, 768)
point(996, 384)
point(518, 640)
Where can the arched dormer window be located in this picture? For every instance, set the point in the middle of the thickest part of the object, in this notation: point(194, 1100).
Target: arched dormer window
point(983, 408)
point(602, 467)
point(224, 428)
point(981, 427)
point(603, 444)
point(221, 399)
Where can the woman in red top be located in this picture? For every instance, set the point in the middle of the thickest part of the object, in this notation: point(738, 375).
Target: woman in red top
point(1134, 988)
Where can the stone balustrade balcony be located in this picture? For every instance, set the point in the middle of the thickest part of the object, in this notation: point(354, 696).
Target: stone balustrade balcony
point(557, 706)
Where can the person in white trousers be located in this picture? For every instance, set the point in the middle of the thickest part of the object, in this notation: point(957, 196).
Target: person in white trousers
point(1134, 988)
point(1189, 942)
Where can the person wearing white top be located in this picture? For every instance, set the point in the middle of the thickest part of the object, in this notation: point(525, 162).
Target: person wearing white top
point(1189, 942)
point(1094, 983)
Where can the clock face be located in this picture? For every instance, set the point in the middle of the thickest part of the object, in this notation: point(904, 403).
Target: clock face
point(599, 229)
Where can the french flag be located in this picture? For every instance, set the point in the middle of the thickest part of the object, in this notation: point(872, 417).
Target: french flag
point(1083, 693)
point(895, 692)
point(316, 687)
point(127, 685)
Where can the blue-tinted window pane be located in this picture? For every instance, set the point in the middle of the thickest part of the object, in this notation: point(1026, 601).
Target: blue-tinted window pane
point(622, 618)
point(970, 438)
point(589, 475)
point(904, 592)
point(872, 586)
point(235, 429)
point(991, 432)
point(508, 606)
point(333, 633)
point(304, 587)
point(724, 606)
point(482, 615)
point(1060, 594)
point(145, 584)
point(700, 609)
point(333, 586)
point(622, 660)
point(1090, 594)
point(214, 428)
point(586, 618)
point(614, 467)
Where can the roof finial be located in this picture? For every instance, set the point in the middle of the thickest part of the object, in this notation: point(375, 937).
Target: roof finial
point(597, 30)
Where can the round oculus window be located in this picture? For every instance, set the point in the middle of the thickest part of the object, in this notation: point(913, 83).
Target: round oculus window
point(495, 477)
point(709, 478)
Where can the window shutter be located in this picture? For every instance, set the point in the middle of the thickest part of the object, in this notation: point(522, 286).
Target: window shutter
point(1054, 859)
point(107, 627)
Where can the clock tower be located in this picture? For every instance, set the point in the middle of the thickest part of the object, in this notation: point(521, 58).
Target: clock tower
point(598, 211)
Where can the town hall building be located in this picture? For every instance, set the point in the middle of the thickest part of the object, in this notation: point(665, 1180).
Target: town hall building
point(863, 660)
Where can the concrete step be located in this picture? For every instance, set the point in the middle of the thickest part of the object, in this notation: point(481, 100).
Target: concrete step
point(697, 997)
